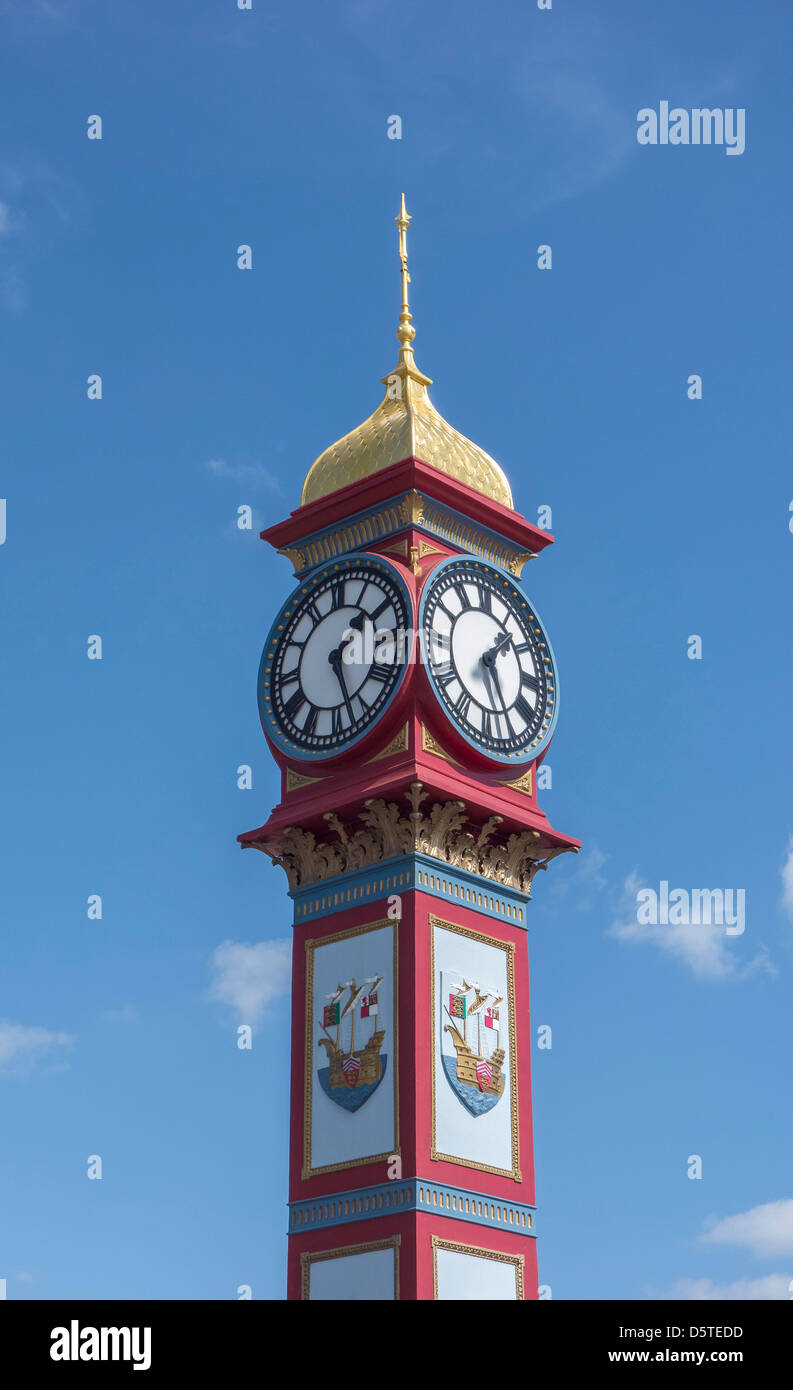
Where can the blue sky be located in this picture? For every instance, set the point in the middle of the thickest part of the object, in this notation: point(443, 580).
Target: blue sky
point(220, 387)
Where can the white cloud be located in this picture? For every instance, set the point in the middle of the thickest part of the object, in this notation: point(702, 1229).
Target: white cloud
point(787, 879)
point(707, 951)
point(249, 977)
point(770, 1286)
point(583, 880)
point(590, 864)
point(255, 474)
point(22, 1047)
point(766, 1230)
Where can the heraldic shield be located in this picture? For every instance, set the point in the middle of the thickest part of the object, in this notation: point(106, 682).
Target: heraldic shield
point(353, 1037)
point(474, 1042)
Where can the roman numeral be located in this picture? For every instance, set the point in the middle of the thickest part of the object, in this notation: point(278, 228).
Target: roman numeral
point(313, 612)
point(462, 594)
point(524, 709)
point(336, 593)
point(385, 604)
point(310, 722)
point(445, 673)
point(380, 672)
point(294, 704)
point(522, 648)
point(487, 723)
point(463, 704)
point(530, 682)
point(336, 727)
point(485, 598)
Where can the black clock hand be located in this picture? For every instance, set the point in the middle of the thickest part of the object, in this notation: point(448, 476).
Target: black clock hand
point(489, 657)
point(335, 660)
point(492, 680)
point(338, 652)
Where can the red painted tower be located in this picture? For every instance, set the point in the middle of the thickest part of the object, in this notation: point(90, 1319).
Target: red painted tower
point(408, 692)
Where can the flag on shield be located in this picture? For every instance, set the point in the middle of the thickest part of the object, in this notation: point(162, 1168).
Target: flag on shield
point(369, 1005)
point(458, 1007)
point(491, 1018)
point(330, 1014)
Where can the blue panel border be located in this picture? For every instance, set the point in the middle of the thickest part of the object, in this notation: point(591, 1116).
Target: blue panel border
point(413, 1194)
point(404, 874)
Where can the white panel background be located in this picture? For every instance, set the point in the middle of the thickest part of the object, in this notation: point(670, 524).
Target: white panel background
point(473, 1277)
point(340, 1135)
point(368, 1276)
point(479, 1138)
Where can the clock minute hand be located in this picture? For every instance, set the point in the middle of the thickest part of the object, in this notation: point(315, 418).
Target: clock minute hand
point(489, 657)
point(492, 681)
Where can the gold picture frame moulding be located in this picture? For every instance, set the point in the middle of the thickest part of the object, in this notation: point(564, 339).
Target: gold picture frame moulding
point(312, 1257)
point(314, 944)
point(509, 948)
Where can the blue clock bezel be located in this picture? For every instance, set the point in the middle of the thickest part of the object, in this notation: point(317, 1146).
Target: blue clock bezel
point(315, 580)
point(522, 756)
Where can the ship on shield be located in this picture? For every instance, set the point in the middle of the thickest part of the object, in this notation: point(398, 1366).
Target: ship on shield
point(356, 1064)
point(474, 1024)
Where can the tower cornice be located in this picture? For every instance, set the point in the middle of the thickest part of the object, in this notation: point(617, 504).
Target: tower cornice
point(410, 492)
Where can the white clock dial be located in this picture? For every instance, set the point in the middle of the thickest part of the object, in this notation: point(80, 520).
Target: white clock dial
point(334, 657)
point(488, 659)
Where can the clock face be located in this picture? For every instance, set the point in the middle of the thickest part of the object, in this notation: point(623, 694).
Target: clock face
point(489, 660)
point(334, 658)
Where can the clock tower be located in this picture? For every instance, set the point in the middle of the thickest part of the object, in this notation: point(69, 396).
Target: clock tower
point(408, 691)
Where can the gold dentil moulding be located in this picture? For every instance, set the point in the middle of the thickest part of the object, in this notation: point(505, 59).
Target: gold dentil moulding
point(445, 832)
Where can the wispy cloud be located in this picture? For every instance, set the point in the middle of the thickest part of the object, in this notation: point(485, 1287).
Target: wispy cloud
point(787, 879)
point(39, 11)
point(766, 1230)
point(37, 204)
point(768, 1287)
point(23, 1047)
point(253, 473)
point(705, 950)
point(248, 977)
point(585, 881)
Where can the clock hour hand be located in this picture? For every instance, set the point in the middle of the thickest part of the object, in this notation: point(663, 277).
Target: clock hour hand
point(335, 660)
point(489, 657)
point(339, 653)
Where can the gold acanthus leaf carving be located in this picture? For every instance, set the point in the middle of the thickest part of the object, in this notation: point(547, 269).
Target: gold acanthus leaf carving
point(444, 832)
point(412, 508)
point(295, 556)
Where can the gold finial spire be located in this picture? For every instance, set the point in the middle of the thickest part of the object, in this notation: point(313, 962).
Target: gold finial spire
point(404, 425)
point(405, 332)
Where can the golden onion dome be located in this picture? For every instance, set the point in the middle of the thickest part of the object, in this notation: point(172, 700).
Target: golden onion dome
point(405, 423)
